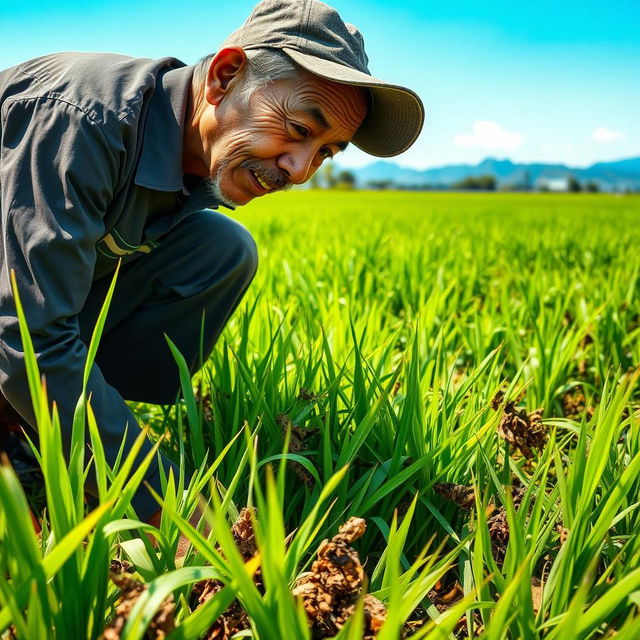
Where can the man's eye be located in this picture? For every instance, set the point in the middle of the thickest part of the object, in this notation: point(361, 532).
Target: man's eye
point(326, 154)
point(300, 130)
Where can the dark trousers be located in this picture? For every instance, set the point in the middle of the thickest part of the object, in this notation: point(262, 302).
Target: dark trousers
point(202, 267)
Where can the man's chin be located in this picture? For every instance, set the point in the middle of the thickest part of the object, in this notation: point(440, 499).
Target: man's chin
point(213, 184)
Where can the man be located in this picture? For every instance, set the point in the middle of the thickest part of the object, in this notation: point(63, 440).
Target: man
point(106, 158)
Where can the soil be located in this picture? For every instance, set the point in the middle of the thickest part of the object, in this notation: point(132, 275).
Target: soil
point(574, 405)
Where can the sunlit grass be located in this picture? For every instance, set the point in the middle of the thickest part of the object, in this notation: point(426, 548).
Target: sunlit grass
point(362, 368)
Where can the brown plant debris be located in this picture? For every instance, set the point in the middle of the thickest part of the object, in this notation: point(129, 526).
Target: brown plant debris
point(120, 566)
point(523, 430)
point(498, 525)
point(563, 533)
point(130, 590)
point(583, 367)
point(462, 495)
point(496, 401)
point(204, 400)
point(296, 445)
point(574, 404)
point(307, 395)
point(498, 532)
point(330, 591)
point(587, 339)
point(445, 593)
point(243, 534)
point(234, 618)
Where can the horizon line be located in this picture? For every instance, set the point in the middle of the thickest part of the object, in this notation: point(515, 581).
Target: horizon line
point(414, 167)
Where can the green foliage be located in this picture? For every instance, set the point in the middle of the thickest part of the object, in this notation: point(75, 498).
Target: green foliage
point(482, 183)
point(573, 184)
point(358, 374)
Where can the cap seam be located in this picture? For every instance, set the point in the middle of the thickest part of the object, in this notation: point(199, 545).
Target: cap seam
point(304, 23)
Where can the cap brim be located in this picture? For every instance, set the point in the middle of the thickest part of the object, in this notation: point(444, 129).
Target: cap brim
point(396, 114)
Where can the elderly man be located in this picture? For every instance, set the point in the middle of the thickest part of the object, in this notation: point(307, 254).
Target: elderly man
point(106, 158)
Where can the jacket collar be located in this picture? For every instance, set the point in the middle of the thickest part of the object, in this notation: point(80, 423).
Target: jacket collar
point(160, 166)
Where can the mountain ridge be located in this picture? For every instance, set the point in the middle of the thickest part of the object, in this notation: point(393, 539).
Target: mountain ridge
point(609, 176)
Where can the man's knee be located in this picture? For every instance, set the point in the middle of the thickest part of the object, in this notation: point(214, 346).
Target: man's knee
point(208, 251)
point(244, 250)
point(229, 245)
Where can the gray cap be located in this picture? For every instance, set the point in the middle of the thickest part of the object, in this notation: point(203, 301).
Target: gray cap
point(314, 36)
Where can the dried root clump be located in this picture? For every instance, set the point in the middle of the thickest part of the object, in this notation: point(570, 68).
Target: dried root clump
point(461, 494)
point(234, 619)
point(329, 591)
point(523, 430)
point(563, 533)
point(243, 534)
point(498, 525)
point(131, 589)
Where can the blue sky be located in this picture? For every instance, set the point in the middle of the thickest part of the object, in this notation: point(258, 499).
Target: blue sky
point(551, 81)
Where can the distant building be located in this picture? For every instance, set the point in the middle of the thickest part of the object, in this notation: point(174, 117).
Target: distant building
point(556, 185)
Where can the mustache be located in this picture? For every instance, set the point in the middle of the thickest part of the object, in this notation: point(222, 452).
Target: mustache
point(276, 178)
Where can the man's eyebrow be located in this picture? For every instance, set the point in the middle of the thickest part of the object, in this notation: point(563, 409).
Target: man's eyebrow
point(321, 120)
point(318, 116)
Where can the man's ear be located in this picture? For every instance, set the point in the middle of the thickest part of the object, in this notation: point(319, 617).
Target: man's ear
point(223, 73)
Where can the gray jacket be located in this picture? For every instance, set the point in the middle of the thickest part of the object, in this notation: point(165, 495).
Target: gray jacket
point(90, 173)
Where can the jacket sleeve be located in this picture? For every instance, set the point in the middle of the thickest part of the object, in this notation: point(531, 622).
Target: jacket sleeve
point(57, 175)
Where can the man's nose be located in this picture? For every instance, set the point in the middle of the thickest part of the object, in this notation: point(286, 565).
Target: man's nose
point(298, 164)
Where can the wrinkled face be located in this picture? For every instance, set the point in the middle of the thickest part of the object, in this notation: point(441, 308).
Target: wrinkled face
point(280, 136)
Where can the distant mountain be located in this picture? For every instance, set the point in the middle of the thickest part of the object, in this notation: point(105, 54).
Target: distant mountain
point(610, 176)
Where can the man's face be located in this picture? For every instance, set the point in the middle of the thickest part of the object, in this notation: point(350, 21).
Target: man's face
point(279, 137)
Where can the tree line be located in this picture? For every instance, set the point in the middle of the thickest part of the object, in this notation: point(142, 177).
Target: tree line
point(343, 179)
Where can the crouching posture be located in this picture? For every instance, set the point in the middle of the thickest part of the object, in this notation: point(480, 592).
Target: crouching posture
point(106, 158)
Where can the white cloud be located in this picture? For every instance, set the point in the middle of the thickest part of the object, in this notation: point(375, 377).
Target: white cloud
point(603, 134)
point(489, 135)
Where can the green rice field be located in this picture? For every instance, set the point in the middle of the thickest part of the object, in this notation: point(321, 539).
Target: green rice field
point(460, 371)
